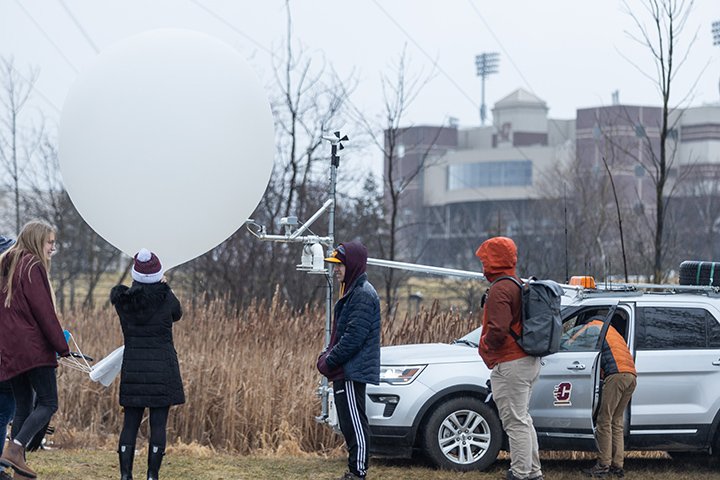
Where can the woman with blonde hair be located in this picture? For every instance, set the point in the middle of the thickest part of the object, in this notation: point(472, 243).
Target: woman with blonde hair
point(32, 337)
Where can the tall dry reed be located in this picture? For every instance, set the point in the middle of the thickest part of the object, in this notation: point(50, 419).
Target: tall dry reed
point(250, 378)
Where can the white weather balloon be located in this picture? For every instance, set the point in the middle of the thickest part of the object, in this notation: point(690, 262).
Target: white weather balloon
point(166, 143)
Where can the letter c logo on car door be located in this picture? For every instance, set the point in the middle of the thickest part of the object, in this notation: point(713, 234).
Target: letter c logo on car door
point(562, 392)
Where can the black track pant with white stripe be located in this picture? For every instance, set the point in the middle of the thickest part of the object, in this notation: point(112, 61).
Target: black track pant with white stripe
point(350, 405)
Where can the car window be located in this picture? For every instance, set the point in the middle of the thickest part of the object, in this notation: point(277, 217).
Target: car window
point(472, 337)
point(713, 331)
point(676, 328)
point(577, 336)
point(580, 338)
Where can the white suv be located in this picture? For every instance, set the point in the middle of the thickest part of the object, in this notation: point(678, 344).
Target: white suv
point(434, 398)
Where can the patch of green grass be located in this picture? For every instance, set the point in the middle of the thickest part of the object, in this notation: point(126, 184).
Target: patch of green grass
point(203, 465)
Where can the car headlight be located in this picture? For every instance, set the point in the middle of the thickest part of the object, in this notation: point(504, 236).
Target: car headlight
point(400, 374)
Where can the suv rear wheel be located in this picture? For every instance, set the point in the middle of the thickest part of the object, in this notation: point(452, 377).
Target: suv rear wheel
point(463, 434)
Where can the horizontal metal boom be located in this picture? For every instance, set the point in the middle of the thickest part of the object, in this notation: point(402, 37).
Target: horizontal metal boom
point(425, 269)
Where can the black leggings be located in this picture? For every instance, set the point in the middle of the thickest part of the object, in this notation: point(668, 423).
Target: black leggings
point(28, 420)
point(158, 425)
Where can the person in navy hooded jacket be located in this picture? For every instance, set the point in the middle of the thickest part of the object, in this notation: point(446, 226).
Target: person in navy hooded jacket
point(352, 358)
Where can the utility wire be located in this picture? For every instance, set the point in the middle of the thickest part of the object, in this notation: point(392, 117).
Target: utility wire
point(509, 57)
point(232, 27)
point(468, 97)
point(37, 90)
point(79, 26)
point(419, 47)
point(47, 37)
point(502, 47)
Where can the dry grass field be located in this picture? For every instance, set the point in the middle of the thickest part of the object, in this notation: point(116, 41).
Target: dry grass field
point(250, 383)
point(249, 376)
point(201, 463)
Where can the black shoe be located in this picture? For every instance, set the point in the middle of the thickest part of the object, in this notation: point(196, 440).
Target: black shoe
point(5, 476)
point(617, 471)
point(350, 476)
point(597, 470)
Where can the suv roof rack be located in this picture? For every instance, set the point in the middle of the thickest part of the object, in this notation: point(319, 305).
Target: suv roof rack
point(637, 288)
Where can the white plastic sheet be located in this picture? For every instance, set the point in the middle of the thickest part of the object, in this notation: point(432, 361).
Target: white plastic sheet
point(108, 368)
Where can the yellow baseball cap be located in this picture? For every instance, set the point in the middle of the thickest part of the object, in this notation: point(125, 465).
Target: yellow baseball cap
point(337, 256)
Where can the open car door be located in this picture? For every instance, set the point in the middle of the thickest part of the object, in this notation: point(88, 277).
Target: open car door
point(566, 395)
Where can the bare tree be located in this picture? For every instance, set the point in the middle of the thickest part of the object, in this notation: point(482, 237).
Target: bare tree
point(661, 34)
point(396, 140)
point(15, 149)
point(308, 102)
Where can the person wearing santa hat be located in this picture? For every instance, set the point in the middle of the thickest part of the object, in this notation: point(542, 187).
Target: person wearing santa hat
point(150, 375)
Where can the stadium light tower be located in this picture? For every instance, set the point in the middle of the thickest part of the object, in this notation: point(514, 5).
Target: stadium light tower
point(486, 64)
point(716, 37)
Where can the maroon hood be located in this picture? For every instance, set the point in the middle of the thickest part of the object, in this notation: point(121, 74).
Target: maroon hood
point(355, 262)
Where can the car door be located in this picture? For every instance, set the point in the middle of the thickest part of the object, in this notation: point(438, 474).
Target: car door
point(678, 363)
point(566, 392)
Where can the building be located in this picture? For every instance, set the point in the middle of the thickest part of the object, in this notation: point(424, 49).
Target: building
point(479, 181)
point(464, 185)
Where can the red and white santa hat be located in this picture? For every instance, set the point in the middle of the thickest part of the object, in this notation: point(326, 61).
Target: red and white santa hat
point(147, 267)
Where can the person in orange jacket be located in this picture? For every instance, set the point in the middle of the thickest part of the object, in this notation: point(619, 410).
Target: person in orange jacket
point(513, 371)
point(619, 378)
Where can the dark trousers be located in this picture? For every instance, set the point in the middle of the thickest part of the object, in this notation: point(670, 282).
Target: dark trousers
point(28, 420)
point(350, 405)
point(158, 425)
point(7, 411)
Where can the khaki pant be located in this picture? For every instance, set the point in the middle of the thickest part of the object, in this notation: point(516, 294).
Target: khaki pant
point(616, 393)
point(511, 387)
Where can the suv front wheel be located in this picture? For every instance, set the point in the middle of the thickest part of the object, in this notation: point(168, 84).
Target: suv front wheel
point(463, 434)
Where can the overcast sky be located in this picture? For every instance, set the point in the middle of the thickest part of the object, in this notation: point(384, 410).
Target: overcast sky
point(565, 51)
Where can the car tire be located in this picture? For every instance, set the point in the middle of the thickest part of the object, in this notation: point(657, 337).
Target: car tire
point(700, 273)
point(463, 434)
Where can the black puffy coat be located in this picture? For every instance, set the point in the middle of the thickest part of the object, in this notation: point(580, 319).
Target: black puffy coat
point(357, 319)
point(150, 375)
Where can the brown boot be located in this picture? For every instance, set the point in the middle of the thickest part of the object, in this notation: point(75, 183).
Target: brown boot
point(14, 456)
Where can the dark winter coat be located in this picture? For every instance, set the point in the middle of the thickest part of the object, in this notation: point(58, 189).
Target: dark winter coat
point(150, 375)
point(357, 325)
point(31, 333)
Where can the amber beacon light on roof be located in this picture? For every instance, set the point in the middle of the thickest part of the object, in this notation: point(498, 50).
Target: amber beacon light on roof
point(585, 281)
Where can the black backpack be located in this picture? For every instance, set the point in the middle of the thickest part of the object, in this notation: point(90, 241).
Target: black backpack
point(541, 321)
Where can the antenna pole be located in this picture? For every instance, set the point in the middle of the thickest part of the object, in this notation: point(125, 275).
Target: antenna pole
point(335, 140)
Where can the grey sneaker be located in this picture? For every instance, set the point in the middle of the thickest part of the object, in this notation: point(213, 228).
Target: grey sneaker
point(511, 476)
point(597, 470)
point(617, 471)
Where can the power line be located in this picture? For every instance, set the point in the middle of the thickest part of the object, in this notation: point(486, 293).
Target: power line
point(419, 47)
point(502, 47)
point(232, 27)
point(34, 87)
point(397, 24)
point(509, 57)
point(79, 26)
point(47, 37)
